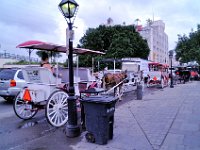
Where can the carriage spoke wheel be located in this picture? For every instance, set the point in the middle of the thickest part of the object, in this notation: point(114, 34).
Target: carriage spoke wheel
point(162, 83)
point(57, 108)
point(23, 109)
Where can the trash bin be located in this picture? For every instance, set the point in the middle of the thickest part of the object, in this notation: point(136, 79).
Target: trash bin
point(99, 118)
point(139, 92)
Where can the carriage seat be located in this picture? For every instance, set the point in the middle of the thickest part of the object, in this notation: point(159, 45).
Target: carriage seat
point(80, 75)
point(65, 75)
point(40, 75)
point(40, 81)
point(85, 75)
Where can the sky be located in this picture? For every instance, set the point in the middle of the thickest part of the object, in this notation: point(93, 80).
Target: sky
point(23, 20)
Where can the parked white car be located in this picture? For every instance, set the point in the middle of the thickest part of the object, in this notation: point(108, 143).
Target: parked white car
point(11, 82)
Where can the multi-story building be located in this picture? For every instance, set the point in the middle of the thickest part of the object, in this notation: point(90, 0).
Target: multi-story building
point(157, 40)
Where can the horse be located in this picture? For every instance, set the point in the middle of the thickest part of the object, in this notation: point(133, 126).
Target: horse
point(110, 80)
point(184, 75)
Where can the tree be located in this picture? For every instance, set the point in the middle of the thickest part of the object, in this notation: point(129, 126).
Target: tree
point(117, 41)
point(188, 47)
point(51, 54)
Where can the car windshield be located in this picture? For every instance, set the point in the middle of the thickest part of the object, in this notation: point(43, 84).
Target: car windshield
point(7, 74)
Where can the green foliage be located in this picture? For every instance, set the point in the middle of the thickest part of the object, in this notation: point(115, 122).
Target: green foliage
point(188, 48)
point(117, 41)
point(51, 54)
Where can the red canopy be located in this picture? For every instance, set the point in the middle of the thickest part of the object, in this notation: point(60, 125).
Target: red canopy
point(54, 47)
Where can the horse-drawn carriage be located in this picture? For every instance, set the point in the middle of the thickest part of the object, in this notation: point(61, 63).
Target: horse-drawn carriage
point(183, 74)
point(158, 75)
point(44, 90)
point(194, 72)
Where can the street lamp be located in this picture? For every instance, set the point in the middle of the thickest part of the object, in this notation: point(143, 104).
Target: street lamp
point(171, 53)
point(68, 9)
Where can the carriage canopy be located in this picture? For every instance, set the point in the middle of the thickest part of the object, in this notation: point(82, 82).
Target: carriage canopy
point(40, 45)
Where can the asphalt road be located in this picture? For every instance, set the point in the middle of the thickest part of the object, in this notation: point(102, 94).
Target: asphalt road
point(37, 134)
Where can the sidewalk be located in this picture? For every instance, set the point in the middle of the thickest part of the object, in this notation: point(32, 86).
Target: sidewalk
point(168, 119)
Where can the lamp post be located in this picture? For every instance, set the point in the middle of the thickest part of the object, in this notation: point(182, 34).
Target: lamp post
point(68, 8)
point(171, 53)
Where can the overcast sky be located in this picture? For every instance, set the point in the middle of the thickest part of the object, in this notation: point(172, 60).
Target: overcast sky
point(23, 20)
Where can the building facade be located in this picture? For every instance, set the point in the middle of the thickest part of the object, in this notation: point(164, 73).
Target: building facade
point(157, 40)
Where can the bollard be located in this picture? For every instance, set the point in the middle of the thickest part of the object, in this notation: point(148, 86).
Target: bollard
point(139, 92)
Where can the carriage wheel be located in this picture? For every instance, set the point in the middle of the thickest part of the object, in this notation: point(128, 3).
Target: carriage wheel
point(57, 108)
point(23, 109)
point(162, 83)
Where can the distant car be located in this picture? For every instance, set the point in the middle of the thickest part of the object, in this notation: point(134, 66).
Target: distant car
point(11, 82)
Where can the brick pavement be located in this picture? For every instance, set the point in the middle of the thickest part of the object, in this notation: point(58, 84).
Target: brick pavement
point(168, 119)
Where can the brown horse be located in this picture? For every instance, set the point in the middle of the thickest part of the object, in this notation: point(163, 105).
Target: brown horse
point(111, 80)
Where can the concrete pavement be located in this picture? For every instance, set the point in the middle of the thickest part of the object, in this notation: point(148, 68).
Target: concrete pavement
point(168, 119)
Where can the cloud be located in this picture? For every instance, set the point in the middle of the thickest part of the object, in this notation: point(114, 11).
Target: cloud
point(26, 20)
point(28, 14)
point(41, 20)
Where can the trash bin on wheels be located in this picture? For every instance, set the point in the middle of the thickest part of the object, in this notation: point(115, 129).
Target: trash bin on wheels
point(99, 118)
point(88, 92)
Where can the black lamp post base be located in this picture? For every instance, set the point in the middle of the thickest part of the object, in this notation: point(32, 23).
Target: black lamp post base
point(72, 131)
point(171, 86)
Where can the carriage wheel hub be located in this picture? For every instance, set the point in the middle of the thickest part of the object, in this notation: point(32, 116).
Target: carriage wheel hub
point(58, 107)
